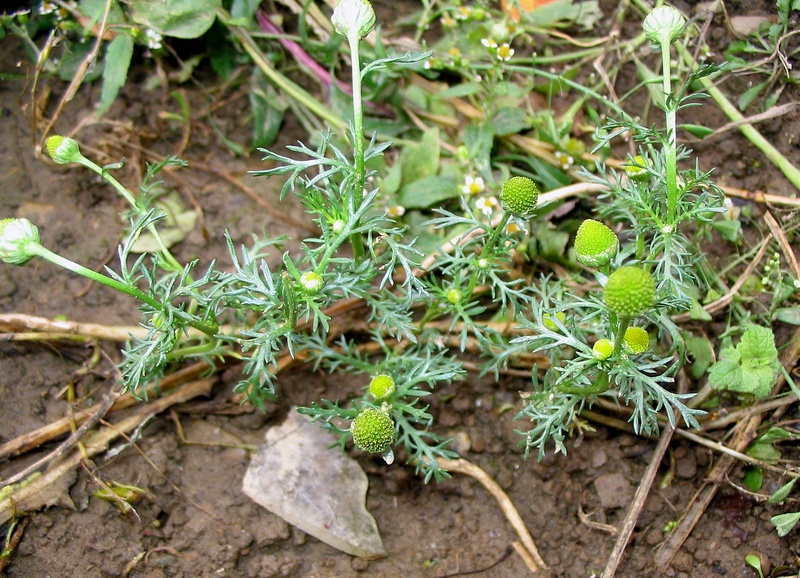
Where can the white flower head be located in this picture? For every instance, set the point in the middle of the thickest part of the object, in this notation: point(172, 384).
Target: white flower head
point(664, 25)
point(487, 205)
point(153, 38)
point(353, 19)
point(16, 238)
point(489, 43)
point(505, 52)
point(396, 211)
point(473, 185)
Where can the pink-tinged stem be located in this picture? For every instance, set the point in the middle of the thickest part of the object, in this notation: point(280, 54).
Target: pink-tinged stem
point(306, 60)
point(297, 51)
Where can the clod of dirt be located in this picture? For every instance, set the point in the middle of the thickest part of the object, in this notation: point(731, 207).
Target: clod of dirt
point(322, 491)
point(614, 490)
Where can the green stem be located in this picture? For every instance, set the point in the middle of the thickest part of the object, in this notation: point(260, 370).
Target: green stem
point(619, 338)
point(358, 137)
point(45, 253)
point(171, 261)
point(671, 148)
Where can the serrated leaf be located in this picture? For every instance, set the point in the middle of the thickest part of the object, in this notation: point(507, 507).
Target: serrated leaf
point(177, 18)
point(115, 71)
point(785, 522)
point(758, 346)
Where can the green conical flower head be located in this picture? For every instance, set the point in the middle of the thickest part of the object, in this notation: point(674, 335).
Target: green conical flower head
point(636, 340)
point(630, 291)
point(63, 149)
point(373, 431)
point(382, 386)
point(519, 196)
point(603, 348)
point(595, 244)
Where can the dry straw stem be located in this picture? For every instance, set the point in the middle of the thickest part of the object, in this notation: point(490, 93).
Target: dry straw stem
point(36, 438)
point(49, 488)
point(463, 466)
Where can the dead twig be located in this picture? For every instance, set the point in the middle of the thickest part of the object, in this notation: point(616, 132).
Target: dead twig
point(463, 466)
point(638, 503)
point(50, 487)
point(68, 444)
point(36, 438)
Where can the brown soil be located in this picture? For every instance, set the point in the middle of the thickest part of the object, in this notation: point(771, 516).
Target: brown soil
point(194, 520)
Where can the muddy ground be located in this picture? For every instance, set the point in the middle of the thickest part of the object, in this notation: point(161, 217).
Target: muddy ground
point(194, 520)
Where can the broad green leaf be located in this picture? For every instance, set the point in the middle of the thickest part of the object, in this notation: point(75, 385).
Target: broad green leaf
point(750, 94)
point(115, 72)
point(244, 8)
point(510, 120)
point(459, 90)
point(782, 492)
point(268, 108)
point(766, 452)
point(790, 315)
point(420, 160)
point(427, 192)
point(177, 18)
point(753, 479)
point(702, 353)
point(697, 130)
point(785, 522)
point(730, 230)
point(758, 346)
point(776, 434)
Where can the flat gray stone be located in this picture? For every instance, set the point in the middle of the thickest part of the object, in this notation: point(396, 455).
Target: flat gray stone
point(614, 490)
point(321, 490)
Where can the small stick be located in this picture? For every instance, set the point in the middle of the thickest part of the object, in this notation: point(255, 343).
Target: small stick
point(780, 236)
point(463, 466)
point(39, 491)
point(68, 444)
point(638, 503)
point(34, 439)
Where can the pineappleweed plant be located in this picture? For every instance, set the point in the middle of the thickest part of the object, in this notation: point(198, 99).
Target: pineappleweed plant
point(361, 253)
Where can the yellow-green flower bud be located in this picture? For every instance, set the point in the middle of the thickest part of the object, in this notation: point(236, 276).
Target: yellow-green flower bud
point(663, 25)
point(637, 170)
point(602, 349)
point(16, 238)
point(373, 431)
point(630, 291)
point(519, 196)
point(636, 340)
point(311, 282)
point(353, 19)
point(63, 150)
point(548, 322)
point(595, 244)
point(382, 386)
point(454, 296)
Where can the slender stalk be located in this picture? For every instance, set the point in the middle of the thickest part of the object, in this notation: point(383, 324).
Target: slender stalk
point(671, 147)
point(45, 253)
point(358, 138)
point(171, 261)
